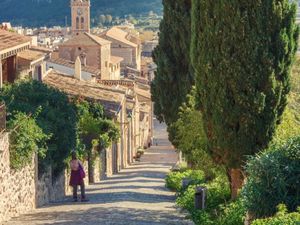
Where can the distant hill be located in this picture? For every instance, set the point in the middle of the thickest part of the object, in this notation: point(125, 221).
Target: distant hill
point(53, 12)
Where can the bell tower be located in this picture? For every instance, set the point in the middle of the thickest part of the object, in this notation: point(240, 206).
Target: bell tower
point(80, 10)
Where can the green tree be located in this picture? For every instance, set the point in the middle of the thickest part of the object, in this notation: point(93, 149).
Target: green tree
point(189, 136)
point(174, 79)
point(242, 53)
point(56, 118)
point(95, 131)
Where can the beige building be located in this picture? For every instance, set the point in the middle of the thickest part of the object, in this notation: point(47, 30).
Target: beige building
point(80, 14)
point(93, 51)
point(10, 45)
point(125, 45)
point(31, 63)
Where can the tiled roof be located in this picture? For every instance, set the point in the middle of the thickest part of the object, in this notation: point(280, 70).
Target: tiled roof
point(116, 59)
point(119, 35)
point(10, 39)
point(70, 64)
point(31, 55)
point(41, 49)
point(110, 100)
point(85, 39)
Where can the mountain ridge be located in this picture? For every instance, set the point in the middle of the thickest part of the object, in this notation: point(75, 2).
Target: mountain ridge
point(54, 12)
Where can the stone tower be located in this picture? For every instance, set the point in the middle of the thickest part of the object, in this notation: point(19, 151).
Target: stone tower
point(80, 10)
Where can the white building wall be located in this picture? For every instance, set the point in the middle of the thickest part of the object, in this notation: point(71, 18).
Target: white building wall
point(68, 71)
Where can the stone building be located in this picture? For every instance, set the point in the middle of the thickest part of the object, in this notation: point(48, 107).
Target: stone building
point(93, 51)
point(125, 45)
point(10, 45)
point(31, 63)
point(80, 14)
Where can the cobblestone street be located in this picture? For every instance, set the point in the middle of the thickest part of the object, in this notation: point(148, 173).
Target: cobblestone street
point(136, 196)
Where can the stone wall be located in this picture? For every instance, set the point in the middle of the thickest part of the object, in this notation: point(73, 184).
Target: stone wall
point(17, 188)
point(51, 190)
point(22, 191)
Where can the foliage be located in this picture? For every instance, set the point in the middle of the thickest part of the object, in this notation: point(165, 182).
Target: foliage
point(242, 65)
point(174, 78)
point(233, 213)
point(26, 138)
point(273, 178)
point(94, 129)
point(56, 118)
point(218, 209)
point(290, 126)
point(174, 179)
point(217, 193)
point(188, 136)
point(282, 217)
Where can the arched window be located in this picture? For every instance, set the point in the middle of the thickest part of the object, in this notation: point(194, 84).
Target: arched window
point(82, 23)
point(77, 23)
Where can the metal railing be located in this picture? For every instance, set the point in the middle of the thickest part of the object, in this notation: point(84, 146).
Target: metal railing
point(2, 117)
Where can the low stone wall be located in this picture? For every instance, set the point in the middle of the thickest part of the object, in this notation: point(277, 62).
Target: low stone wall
point(22, 191)
point(17, 188)
point(51, 190)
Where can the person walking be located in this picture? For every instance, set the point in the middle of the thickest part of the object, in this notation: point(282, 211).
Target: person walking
point(77, 176)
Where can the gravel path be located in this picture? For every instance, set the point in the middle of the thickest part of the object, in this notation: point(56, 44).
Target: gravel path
point(136, 196)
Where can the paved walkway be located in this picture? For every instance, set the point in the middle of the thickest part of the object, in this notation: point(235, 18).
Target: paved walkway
point(136, 196)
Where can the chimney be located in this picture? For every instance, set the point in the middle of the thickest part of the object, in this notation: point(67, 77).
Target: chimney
point(78, 68)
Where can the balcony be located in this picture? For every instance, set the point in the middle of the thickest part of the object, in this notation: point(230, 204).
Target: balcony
point(2, 117)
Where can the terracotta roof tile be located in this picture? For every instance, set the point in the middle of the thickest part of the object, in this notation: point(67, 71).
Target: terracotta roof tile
point(31, 55)
point(10, 39)
point(110, 100)
point(85, 39)
point(119, 35)
point(70, 64)
point(116, 59)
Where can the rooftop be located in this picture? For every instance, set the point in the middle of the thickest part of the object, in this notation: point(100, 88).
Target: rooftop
point(85, 39)
point(116, 60)
point(119, 35)
point(31, 55)
point(10, 39)
point(70, 64)
point(110, 100)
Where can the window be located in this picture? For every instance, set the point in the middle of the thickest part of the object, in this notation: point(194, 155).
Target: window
point(77, 23)
point(79, 48)
point(82, 23)
point(106, 64)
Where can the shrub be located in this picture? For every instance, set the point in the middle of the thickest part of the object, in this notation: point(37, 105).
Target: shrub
point(281, 218)
point(233, 213)
point(26, 138)
point(218, 192)
point(174, 179)
point(273, 178)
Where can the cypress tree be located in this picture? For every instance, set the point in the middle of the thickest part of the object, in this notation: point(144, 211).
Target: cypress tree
point(173, 80)
point(242, 52)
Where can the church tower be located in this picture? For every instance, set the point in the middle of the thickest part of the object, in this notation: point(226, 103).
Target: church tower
point(80, 10)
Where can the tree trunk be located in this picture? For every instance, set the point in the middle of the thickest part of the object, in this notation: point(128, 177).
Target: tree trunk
point(236, 178)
